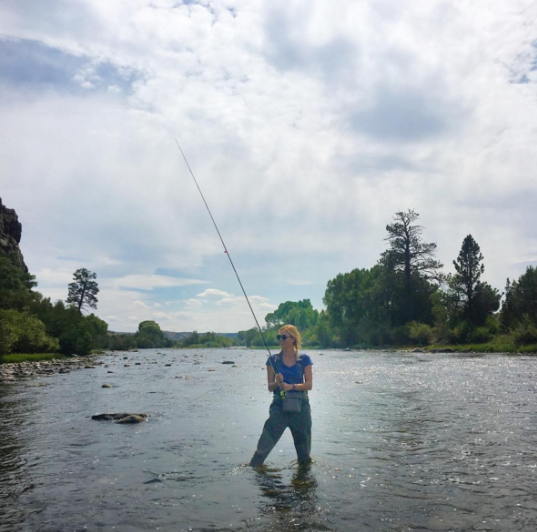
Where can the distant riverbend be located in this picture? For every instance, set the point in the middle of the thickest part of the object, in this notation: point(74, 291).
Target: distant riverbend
point(401, 442)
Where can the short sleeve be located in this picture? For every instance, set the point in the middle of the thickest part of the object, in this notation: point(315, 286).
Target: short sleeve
point(271, 361)
point(306, 360)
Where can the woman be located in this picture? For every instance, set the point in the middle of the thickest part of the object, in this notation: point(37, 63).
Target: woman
point(294, 377)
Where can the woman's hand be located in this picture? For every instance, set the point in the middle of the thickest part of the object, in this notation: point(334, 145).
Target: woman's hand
point(286, 387)
point(279, 379)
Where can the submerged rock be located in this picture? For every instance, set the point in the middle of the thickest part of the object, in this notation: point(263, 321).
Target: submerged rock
point(228, 362)
point(133, 418)
point(119, 417)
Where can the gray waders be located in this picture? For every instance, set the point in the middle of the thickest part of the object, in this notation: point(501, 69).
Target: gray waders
point(278, 421)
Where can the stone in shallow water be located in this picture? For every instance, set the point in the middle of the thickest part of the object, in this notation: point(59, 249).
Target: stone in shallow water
point(133, 418)
point(119, 417)
point(106, 386)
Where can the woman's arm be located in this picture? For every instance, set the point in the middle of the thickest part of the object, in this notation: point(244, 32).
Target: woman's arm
point(273, 380)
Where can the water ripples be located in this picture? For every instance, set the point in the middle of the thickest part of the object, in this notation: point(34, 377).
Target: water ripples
point(401, 442)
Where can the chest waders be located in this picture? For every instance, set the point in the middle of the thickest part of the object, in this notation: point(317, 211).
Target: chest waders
point(299, 423)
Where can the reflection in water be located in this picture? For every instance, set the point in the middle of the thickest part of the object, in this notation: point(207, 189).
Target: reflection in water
point(428, 442)
point(292, 504)
point(13, 465)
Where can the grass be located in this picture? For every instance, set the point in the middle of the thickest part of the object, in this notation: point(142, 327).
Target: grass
point(25, 357)
point(490, 347)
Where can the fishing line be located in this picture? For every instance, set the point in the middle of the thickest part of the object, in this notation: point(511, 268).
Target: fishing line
point(226, 251)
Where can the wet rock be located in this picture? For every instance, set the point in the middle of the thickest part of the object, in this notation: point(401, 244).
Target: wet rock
point(169, 365)
point(109, 372)
point(154, 481)
point(117, 416)
point(211, 369)
point(64, 370)
point(106, 385)
point(228, 362)
point(133, 418)
point(137, 363)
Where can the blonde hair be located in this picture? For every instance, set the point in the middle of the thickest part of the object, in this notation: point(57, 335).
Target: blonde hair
point(295, 334)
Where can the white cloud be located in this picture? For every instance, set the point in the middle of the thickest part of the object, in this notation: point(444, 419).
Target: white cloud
point(213, 292)
point(307, 128)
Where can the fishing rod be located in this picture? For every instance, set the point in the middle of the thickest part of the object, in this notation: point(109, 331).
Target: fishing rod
point(226, 251)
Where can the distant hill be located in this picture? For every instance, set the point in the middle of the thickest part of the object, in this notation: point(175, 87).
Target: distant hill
point(176, 335)
point(181, 335)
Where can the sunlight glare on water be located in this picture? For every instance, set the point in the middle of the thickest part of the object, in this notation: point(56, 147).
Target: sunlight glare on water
point(400, 442)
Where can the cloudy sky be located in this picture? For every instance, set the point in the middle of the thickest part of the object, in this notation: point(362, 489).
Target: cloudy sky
point(308, 124)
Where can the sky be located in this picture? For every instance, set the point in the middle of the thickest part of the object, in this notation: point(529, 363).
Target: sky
point(308, 125)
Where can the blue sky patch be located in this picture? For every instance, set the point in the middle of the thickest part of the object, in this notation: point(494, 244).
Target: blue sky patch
point(32, 64)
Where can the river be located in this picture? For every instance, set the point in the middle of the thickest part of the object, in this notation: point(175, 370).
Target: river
point(401, 442)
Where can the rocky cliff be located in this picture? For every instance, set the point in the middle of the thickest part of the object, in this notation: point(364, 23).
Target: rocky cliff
point(10, 235)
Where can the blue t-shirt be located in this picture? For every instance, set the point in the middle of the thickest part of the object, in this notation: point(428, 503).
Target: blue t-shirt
point(291, 374)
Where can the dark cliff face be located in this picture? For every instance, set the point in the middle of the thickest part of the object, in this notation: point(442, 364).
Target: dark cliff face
point(10, 235)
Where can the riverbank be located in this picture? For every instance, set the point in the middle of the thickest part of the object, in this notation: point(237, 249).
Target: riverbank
point(14, 371)
point(29, 357)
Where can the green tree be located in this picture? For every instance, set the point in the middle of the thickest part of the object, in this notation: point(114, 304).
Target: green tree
point(150, 335)
point(301, 314)
point(15, 285)
point(83, 291)
point(520, 304)
point(23, 333)
point(77, 334)
point(413, 258)
point(322, 331)
point(477, 300)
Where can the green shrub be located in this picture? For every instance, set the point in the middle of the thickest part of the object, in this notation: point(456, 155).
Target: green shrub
point(7, 336)
point(420, 333)
point(525, 332)
point(493, 325)
point(479, 335)
point(23, 333)
point(401, 335)
point(461, 333)
point(76, 341)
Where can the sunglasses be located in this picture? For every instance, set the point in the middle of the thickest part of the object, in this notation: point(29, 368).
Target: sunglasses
point(282, 337)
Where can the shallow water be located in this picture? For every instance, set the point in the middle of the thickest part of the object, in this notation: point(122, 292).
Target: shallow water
point(400, 442)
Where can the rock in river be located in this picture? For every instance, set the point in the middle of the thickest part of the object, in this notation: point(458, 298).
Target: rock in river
point(124, 417)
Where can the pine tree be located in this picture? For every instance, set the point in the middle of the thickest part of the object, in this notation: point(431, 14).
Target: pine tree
point(478, 299)
point(411, 256)
point(83, 291)
point(469, 269)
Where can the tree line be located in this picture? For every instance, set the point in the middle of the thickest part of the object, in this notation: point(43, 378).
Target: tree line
point(406, 299)
point(31, 323)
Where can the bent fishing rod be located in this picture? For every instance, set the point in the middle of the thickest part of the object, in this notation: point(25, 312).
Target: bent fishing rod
point(226, 251)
